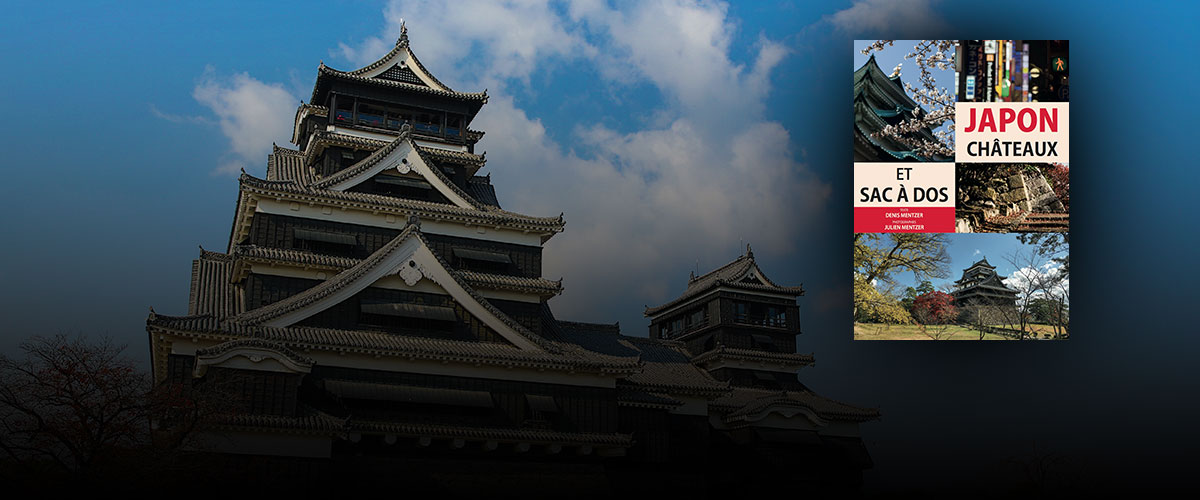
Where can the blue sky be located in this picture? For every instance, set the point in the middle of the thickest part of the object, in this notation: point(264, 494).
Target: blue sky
point(630, 125)
point(670, 133)
point(894, 54)
point(1015, 261)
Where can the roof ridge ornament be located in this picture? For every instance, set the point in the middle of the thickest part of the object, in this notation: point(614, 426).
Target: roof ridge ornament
point(413, 220)
point(749, 252)
point(403, 40)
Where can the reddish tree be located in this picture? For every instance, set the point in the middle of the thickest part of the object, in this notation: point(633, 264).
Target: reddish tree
point(1060, 182)
point(70, 402)
point(934, 308)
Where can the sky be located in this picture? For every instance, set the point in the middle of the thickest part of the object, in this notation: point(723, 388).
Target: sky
point(670, 133)
point(893, 55)
point(1017, 262)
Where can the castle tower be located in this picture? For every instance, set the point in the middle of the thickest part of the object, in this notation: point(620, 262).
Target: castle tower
point(741, 328)
point(376, 309)
point(880, 101)
point(981, 294)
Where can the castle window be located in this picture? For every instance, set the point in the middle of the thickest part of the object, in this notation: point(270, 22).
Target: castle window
point(401, 316)
point(428, 122)
point(776, 316)
point(741, 312)
point(766, 380)
point(349, 389)
point(370, 115)
point(453, 124)
point(396, 119)
point(324, 242)
point(757, 314)
point(477, 260)
point(405, 187)
point(542, 411)
point(345, 109)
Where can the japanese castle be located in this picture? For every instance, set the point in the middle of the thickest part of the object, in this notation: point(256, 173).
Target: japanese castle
point(377, 309)
point(880, 101)
point(981, 289)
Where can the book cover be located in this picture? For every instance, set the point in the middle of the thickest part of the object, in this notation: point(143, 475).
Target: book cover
point(961, 155)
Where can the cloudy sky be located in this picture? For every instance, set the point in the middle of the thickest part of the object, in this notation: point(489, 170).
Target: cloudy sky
point(1016, 261)
point(671, 133)
point(665, 131)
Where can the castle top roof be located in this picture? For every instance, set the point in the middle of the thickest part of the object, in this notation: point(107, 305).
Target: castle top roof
point(743, 273)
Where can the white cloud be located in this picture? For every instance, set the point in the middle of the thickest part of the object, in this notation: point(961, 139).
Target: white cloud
point(174, 118)
point(512, 38)
point(894, 18)
point(1034, 280)
point(683, 48)
point(686, 188)
point(252, 115)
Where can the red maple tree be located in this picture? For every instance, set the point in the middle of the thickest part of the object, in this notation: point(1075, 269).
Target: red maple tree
point(1060, 182)
point(934, 308)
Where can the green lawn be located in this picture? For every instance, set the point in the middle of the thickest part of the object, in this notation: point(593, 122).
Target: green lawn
point(880, 331)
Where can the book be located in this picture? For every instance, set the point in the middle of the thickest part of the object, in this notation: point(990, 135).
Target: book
point(961, 149)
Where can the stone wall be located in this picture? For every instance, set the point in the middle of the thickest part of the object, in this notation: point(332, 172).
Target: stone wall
point(994, 192)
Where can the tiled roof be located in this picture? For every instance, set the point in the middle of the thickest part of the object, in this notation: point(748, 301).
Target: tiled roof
point(324, 138)
point(302, 112)
point(254, 343)
point(668, 367)
point(211, 291)
point(353, 273)
point(350, 275)
point(424, 209)
point(460, 157)
point(382, 149)
point(724, 352)
point(324, 71)
point(742, 403)
point(285, 164)
point(426, 157)
point(404, 40)
point(540, 286)
point(982, 262)
point(481, 189)
point(401, 45)
point(879, 101)
point(305, 339)
point(578, 327)
point(266, 254)
point(311, 422)
point(326, 288)
point(371, 161)
point(729, 275)
point(541, 436)
point(630, 396)
point(316, 422)
point(515, 283)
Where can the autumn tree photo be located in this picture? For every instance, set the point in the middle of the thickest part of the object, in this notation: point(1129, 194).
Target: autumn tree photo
point(878, 258)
